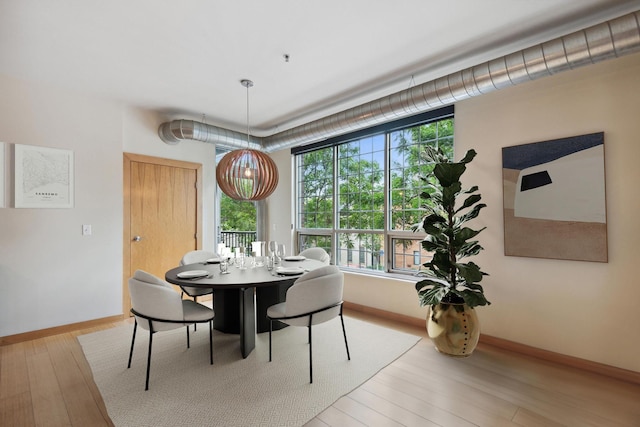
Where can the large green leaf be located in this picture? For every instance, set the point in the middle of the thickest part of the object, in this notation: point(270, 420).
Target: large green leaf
point(434, 271)
point(473, 299)
point(440, 260)
point(448, 173)
point(469, 201)
point(473, 213)
point(463, 234)
point(469, 249)
point(470, 271)
point(471, 190)
point(426, 284)
point(433, 224)
point(432, 296)
point(441, 263)
point(449, 195)
point(469, 156)
point(434, 219)
point(430, 246)
point(474, 287)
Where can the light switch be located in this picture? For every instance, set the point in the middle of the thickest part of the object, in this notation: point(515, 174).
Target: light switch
point(86, 229)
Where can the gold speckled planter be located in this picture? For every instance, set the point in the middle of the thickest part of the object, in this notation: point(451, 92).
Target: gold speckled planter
point(453, 328)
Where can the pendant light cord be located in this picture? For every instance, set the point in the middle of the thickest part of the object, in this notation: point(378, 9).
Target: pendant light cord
point(248, 140)
point(247, 83)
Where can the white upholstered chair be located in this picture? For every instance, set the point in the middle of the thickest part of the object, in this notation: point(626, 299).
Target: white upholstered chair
point(314, 298)
point(193, 257)
point(317, 254)
point(158, 307)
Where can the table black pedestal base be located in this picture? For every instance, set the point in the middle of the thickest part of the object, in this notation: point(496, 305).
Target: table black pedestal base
point(226, 305)
point(247, 322)
point(237, 313)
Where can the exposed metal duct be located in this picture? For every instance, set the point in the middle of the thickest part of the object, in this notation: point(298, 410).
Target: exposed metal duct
point(611, 39)
point(177, 130)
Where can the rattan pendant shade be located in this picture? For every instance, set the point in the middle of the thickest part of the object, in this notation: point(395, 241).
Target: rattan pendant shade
point(247, 174)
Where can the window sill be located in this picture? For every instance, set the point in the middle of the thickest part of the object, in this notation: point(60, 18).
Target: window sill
point(382, 274)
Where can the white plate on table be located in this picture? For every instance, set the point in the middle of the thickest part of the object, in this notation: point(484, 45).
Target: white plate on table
point(192, 274)
point(295, 258)
point(213, 261)
point(289, 271)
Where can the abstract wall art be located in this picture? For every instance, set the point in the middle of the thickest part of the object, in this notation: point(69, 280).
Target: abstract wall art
point(554, 199)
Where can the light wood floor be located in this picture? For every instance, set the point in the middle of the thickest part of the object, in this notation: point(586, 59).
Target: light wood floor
point(47, 382)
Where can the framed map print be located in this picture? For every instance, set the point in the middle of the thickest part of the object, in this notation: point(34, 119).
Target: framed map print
point(43, 177)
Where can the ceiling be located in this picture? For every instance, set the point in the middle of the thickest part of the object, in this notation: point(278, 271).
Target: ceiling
point(186, 59)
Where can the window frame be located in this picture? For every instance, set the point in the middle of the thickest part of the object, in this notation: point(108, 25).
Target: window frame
point(389, 236)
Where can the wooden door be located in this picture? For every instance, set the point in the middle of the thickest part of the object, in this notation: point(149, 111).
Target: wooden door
point(162, 215)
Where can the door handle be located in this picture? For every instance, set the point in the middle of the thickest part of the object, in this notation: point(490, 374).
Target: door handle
point(137, 238)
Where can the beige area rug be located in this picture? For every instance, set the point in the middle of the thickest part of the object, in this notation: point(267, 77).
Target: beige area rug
point(185, 390)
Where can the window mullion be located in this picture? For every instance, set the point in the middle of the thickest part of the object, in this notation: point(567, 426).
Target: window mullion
point(336, 200)
point(387, 190)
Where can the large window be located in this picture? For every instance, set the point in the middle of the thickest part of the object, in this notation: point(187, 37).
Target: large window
point(358, 197)
point(238, 225)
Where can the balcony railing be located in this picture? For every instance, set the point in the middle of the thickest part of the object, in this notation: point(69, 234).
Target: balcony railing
point(238, 239)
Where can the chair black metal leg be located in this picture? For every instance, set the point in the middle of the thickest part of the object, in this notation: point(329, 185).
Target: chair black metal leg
point(310, 351)
point(195, 325)
point(150, 322)
point(270, 330)
point(309, 316)
point(310, 356)
point(211, 341)
point(344, 332)
point(146, 387)
point(133, 340)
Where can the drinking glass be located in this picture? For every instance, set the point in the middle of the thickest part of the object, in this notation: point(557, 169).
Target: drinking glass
point(269, 262)
point(273, 246)
point(224, 266)
point(281, 251)
point(259, 253)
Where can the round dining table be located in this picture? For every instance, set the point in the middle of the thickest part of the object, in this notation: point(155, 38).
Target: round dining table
point(242, 296)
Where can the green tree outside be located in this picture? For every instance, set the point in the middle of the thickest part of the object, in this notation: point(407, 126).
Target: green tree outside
point(236, 215)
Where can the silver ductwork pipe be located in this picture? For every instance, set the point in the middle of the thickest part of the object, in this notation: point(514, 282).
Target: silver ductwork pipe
point(177, 130)
point(611, 39)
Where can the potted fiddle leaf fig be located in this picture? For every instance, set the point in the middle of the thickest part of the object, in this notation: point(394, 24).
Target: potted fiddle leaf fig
point(451, 287)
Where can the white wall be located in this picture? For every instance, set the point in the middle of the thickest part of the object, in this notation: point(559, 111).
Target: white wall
point(49, 273)
point(582, 309)
point(279, 204)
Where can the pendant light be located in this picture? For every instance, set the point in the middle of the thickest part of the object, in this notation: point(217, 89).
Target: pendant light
point(247, 174)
